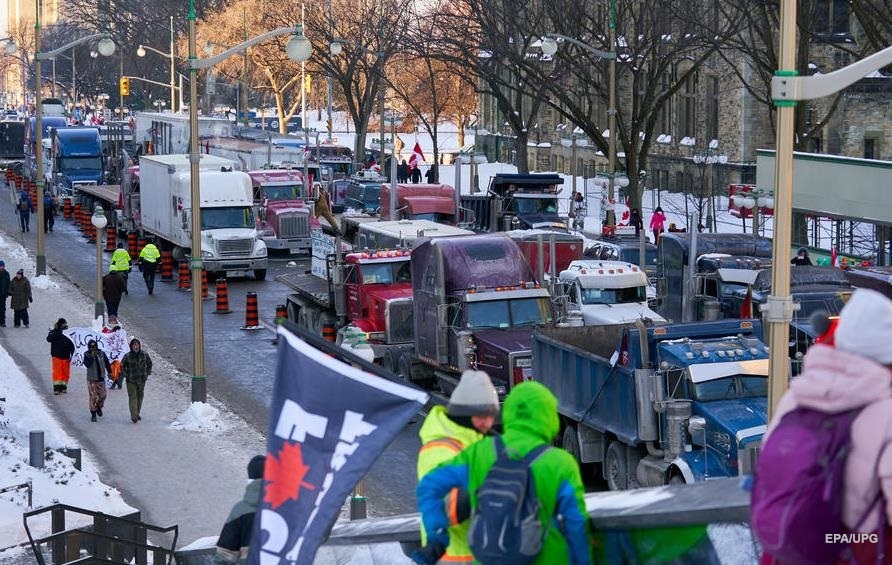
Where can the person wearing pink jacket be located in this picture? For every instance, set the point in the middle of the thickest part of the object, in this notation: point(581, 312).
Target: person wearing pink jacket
point(658, 223)
point(855, 373)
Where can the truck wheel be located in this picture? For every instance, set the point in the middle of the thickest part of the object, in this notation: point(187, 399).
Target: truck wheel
point(570, 443)
point(615, 469)
point(677, 479)
point(405, 369)
point(260, 274)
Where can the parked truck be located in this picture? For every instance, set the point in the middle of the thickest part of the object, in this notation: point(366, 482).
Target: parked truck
point(281, 209)
point(252, 154)
point(517, 201)
point(476, 305)
point(434, 202)
point(230, 242)
point(75, 158)
point(605, 292)
point(658, 405)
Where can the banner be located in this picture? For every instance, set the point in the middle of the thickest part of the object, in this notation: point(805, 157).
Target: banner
point(115, 343)
point(328, 423)
point(417, 157)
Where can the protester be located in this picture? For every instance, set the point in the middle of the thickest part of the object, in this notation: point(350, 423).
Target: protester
point(113, 287)
point(120, 263)
point(402, 172)
point(148, 262)
point(235, 537)
point(4, 292)
point(20, 293)
point(61, 352)
point(415, 175)
point(447, 431)
point(136, 366)
point(531, 425)
point(97, 365)
point(658, 223)
point(49, 211)
point(844, 391)
point(431, 175)
point(635, 220)
point(801, 257)
point(25, 208)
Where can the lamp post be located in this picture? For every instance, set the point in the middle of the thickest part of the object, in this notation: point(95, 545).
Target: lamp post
point(105, 47)
point(391, 118)
point(99, 222)
point(141, 52)
point(159, 105)
point(298, 48)
point(703, 159)
point(549, 47)
point(574, 139)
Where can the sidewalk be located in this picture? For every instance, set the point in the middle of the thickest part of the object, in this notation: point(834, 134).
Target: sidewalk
point(171, 475)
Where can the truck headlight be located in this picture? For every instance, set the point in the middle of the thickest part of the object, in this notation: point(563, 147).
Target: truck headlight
point(206, 254)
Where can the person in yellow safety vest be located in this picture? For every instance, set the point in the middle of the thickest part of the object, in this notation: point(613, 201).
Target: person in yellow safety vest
point(446, 432)
point(148, 262)
point(120, 262)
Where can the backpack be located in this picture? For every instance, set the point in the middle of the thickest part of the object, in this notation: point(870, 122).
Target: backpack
point(24, 205)
point(796, 503)
point(505, 525)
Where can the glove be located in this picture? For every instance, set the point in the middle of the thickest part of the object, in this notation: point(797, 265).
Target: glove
point(429, 554)
point(462, 505)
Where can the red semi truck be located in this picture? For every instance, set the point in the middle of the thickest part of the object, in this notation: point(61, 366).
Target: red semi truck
point(281, 210)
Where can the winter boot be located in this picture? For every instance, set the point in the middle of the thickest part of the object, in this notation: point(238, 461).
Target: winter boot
point(93, 417)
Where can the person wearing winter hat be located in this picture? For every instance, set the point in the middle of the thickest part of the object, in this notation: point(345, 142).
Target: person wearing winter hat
point(98, 367)
point(446, 432)
point(4, 292)
point(234, 540)
point(61, 352)
point(20, 292)
point(855, 374)
point(136, 366)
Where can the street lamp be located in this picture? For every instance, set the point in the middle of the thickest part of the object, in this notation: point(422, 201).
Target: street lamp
point(141, 52)
point(159, 105)
point(392, 118)
point(105, 47)
point(298, 48)
point(574, 139)
point(708, 158)
point(99, 222)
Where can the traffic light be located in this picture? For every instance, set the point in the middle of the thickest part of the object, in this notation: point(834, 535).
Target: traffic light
point(125, 86)
point(308, 83)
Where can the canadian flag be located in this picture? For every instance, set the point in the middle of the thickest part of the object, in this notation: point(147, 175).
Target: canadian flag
point(417, 157)
point(834, 258)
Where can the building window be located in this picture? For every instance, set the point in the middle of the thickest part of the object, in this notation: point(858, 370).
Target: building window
point(832, 17)
point(870, 148)
point(679, 182)
point(687, 108)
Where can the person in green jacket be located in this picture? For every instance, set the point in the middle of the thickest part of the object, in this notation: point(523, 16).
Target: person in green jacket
point(447, 431)
point(148, 262)
point(530, 420)
point(120, 262)
point(136, 366)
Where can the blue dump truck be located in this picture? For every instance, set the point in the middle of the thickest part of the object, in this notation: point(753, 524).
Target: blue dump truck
point(650, 406)
point(517, 201)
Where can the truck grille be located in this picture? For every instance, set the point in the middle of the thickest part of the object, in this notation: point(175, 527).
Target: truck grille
point(747, 458)
point(293, 226)
point(235, 247)
point(400, 322)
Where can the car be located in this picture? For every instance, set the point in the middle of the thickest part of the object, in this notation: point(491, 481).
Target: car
point(11, 116)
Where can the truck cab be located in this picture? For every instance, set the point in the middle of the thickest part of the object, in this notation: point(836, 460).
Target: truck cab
point(279, 205)
point(433, 202)
point(517, 201)
point(606, 292)
point(76, 156)
point(364, 192)
point(378, 287)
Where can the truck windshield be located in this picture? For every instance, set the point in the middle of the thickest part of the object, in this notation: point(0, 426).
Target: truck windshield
point(435, 217)
point(386, 273)
point(738, 386)
point(614, 295)
point(234, 217)
point(80, 164)
point(278, 193)
point(514, 313)
point(531, 206)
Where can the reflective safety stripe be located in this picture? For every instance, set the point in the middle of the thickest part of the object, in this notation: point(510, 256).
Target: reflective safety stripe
point(446, 442)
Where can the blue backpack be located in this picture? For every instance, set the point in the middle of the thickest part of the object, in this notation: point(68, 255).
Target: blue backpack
point(505, 525)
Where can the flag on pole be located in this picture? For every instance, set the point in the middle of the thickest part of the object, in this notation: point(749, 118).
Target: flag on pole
point(746, 309)
point(416, 158)
point(329, 421)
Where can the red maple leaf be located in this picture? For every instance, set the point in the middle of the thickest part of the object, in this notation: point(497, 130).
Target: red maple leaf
point(285, 475)
point(626, 215)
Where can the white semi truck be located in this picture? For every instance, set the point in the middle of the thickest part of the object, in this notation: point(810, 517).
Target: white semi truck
point(230, 242)
point(606, 292)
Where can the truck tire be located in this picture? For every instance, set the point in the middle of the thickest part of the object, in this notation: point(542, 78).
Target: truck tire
point(616, 471)
point(259, 274)
point(570, 443)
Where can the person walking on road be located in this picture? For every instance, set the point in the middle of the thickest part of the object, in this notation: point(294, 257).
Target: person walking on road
point(658, 224)
point(49, 211)
point(136, 366)
point(113, 287)
point(98, 366)
point(25, 208)
point(148, 262)
point(447, 431)
point(61, 352)
point(531, 424)
point(20, 292)
point(120, 263)
point(4, 292)
point(235, 537)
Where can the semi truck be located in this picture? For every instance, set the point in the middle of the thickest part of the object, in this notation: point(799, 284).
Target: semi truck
point(75, 158)
point(517, 201)
point(605, 292)
point(651, 406)
point(252, 154)
point(230, 242)
point(434, 202)
point(281, 209)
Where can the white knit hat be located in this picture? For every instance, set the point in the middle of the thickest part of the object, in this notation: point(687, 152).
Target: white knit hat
point(865, 326)
point(474, 396)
